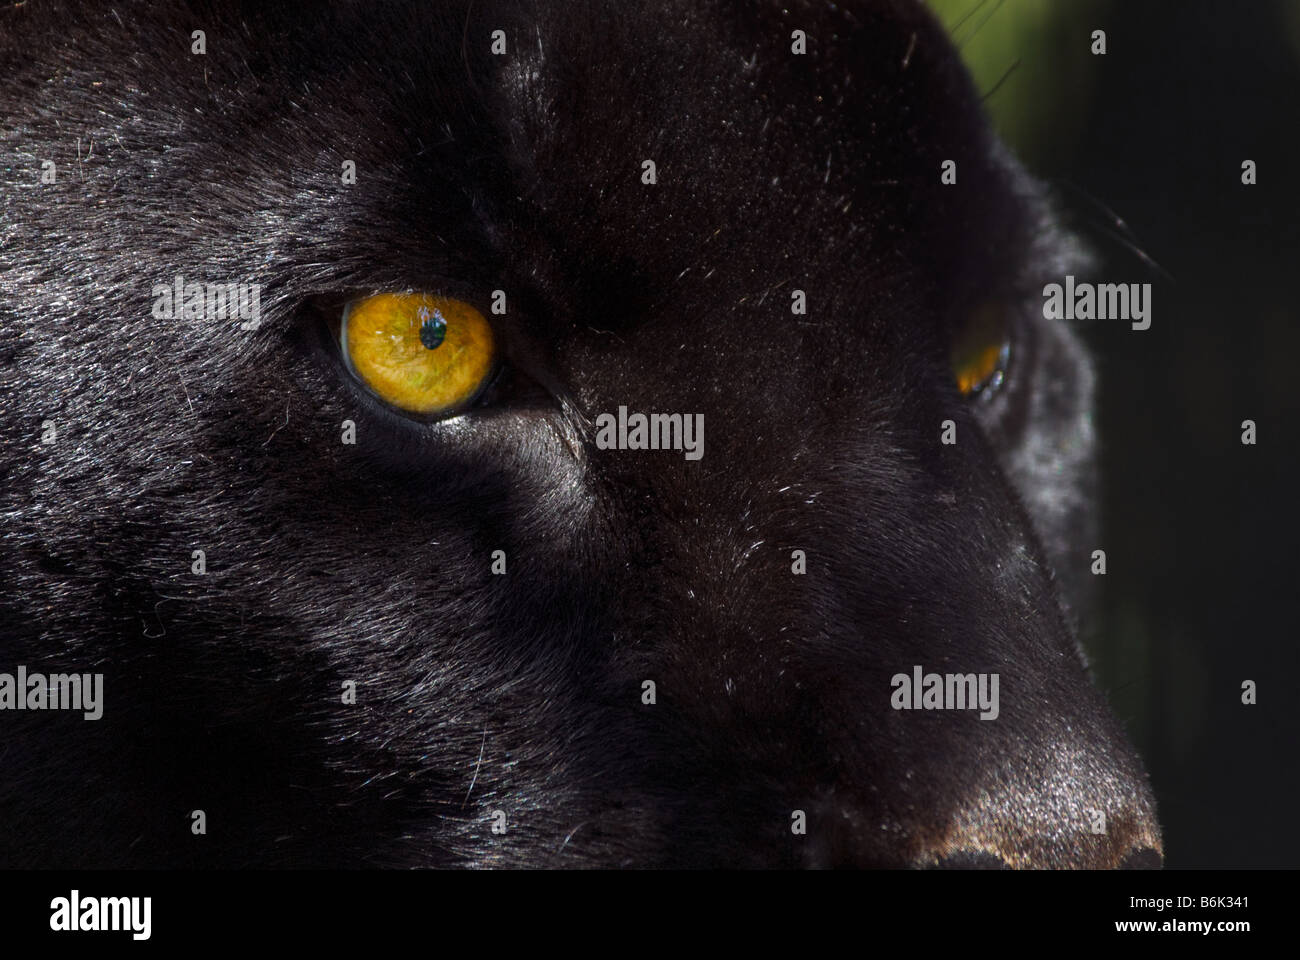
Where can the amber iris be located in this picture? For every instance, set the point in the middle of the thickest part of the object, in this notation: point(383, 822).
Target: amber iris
point(420, 352)
point(981, 349)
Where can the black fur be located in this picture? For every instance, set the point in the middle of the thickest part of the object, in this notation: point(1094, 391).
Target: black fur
point(330, 562)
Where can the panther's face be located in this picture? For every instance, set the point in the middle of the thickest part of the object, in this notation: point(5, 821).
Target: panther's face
point(687, 660)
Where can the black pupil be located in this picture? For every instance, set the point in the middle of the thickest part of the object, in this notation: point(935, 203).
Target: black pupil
point(433, 330)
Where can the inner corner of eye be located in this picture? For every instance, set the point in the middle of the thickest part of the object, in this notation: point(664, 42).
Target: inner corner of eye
point(423, 353)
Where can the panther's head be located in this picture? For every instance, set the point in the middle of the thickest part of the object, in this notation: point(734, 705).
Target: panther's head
point(439, 618)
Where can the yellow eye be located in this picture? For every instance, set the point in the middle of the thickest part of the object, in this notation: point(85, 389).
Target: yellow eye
point(981, 350)
point(421, 353)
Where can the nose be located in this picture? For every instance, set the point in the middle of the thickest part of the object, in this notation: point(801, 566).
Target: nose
point(1075, 797)
point(1077, 800)
point(1142, 858)
point(1067, 792)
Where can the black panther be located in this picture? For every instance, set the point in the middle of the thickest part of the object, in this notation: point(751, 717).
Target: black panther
point(362, 585)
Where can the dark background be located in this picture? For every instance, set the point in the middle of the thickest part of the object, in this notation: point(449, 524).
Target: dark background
point(1199, 530)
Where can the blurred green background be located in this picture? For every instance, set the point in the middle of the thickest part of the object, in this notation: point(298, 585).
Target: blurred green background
point(1200, 531)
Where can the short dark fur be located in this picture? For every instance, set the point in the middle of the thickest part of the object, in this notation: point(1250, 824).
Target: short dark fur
point(330, 562)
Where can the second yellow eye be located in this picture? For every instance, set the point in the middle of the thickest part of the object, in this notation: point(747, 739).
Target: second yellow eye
point(422, 353)
point(981, 350)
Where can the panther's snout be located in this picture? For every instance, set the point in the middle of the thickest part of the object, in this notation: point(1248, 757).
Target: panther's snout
point(1135, 846)
point(1056, 805)
point(1141, 858)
